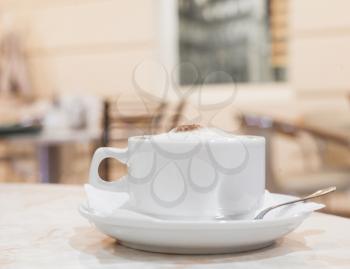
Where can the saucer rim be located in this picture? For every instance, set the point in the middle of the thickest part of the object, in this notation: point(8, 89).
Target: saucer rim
point(203, 225)
point(154, 222)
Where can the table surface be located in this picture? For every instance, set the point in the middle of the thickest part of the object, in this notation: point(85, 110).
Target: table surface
point(40, 227)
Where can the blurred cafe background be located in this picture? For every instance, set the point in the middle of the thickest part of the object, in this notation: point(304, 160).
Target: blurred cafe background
point(77, 75)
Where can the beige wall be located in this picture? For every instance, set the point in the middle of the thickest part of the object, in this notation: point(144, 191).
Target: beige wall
point(320, 46)
point(92, 46)
point(89, 46)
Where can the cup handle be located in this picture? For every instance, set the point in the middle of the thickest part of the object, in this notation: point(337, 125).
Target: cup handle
point(100, 154)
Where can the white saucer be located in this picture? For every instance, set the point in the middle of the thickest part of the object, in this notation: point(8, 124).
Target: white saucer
point(140, 231)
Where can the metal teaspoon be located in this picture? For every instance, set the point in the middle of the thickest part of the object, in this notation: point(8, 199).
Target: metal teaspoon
point(302, 199)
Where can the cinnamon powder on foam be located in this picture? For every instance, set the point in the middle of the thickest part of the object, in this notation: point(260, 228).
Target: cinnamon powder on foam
point(187, 128)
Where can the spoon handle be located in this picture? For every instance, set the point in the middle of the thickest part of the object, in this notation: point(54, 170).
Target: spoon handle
point(302, 199)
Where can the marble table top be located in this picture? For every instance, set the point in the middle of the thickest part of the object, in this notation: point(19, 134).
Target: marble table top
point(40, 227)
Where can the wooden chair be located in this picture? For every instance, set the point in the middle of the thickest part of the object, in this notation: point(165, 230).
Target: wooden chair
point(310, 179)
point(119, 125)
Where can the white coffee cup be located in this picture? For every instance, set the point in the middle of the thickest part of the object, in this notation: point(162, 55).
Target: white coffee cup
point(202, 173)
